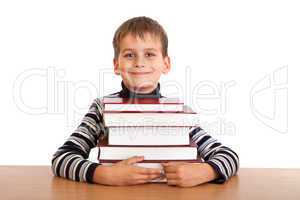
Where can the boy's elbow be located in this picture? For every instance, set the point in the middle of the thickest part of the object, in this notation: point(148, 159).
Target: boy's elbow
point(53, 165)
point(237, 162)
point(55, 158)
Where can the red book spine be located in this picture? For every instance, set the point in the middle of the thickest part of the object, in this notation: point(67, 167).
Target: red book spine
point(117, 100)
point(104, 143)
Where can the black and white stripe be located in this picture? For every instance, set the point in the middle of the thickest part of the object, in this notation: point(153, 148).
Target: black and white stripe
point(224, 160)
point(70, 160)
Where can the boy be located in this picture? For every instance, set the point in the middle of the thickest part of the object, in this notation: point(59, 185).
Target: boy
point(140, 57)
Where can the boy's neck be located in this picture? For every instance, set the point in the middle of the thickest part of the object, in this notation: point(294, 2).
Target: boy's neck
point(143, 90)
point(149, 92)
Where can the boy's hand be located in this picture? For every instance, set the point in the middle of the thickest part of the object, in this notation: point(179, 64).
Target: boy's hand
point(188, 174)
point(124, 173)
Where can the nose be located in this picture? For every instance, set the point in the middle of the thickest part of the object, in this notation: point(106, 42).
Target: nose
point(139, 62)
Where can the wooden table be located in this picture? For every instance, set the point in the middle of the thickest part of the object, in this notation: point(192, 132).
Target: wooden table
point(37, 182)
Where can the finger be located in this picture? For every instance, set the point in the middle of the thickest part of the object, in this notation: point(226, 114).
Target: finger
point(170, 168)
point(133, 160)
point(174, 163)
point(140, 181)
point(172, 182)
point(150, 177)
point(145, 178)
point(165, 164)
point(136, 181)
point(143, 170)
point(171, 176)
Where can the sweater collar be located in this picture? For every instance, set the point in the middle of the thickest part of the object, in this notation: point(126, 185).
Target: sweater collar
point(126, 93)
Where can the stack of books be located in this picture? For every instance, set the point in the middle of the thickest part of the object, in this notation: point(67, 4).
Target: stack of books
point(156, 128)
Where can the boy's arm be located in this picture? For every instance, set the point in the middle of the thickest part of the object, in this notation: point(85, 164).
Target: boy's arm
point(222, 159)
point(70, 160)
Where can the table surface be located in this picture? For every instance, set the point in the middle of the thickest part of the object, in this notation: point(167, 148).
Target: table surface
point(38, 182)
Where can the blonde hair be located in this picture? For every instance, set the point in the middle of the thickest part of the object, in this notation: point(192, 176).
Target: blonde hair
point(138, 27)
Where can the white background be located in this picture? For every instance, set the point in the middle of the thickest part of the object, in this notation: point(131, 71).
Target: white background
point(235, 62)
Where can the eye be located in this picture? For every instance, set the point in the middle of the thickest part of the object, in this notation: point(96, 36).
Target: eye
point(129, 55)
point(150, 54)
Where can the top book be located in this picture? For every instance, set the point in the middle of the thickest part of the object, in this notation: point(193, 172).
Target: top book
point(143, 104)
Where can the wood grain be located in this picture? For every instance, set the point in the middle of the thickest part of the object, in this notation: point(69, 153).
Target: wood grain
point(38, 182)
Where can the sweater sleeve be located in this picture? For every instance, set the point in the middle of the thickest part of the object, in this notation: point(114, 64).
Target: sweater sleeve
point(222, 159)
point(70, 160)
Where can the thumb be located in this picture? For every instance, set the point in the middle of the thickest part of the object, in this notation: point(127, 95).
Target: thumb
point(165, 164)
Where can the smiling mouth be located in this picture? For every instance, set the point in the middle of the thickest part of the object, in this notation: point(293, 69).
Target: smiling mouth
point(139, 73)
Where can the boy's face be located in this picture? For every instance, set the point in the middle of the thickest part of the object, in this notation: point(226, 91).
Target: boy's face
point(141, 63)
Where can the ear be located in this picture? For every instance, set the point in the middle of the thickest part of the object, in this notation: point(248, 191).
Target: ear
point(116, 66)
point(167, 65)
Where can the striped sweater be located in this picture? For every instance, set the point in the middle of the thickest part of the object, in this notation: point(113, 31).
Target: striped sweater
point(71, 159)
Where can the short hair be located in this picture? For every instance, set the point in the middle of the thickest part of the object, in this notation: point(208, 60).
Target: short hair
point(138, 27)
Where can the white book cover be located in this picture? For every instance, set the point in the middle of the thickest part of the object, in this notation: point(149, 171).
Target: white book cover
point(185, 118)
point(149, 153)
point(148, 135)
point(151, 119)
